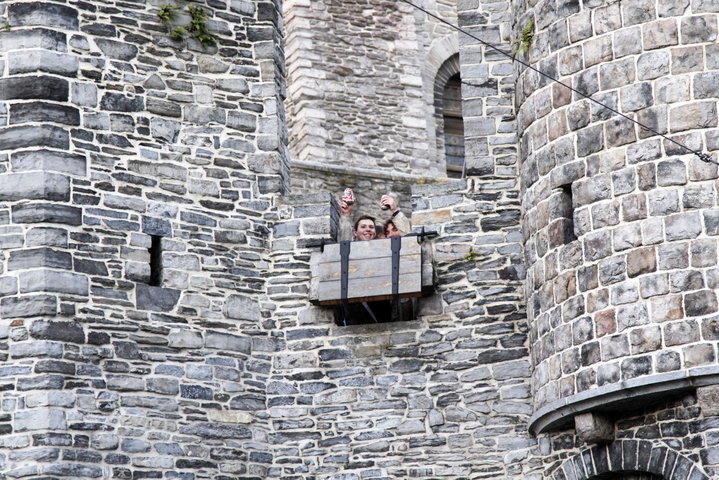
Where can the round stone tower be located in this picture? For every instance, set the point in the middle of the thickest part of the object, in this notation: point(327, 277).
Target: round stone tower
point(620, 221)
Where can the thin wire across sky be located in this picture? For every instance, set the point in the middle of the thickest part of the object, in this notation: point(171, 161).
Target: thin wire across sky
point(702, 156)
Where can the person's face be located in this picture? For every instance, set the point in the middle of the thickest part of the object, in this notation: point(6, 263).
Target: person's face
point(391, 231)
point(365, 230)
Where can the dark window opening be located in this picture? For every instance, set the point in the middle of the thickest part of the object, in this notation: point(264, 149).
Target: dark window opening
point(381, 311)
point(155, 261)
point(453, 126)
point(561, 230)
point(627, 476)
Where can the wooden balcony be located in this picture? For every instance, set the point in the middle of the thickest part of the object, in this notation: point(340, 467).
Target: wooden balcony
point(369, 271)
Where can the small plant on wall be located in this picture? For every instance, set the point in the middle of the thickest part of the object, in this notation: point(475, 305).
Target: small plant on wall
point(526, 37)
point(196, 28)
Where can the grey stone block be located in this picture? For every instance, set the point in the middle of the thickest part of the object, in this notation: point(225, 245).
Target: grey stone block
point(117, 50)
point(49, 399)
point(184, 339)
point(671, 8)
point(163, 129)
point(156, 226)
point(636, 97)
point(49, 160)
point(28, 306)
point(53, 282)
point(242, 121)
point(164, 386)
point(40, 419)
point(683, 226)
point(203, 115)
point(42, 61)
point(104, 441)
point(163, 107)
point(590, 140)
point(34, 186)
point(34, 88)
point(156, 298)
point(44, 112)
point(660, 34)
point(46, 213)
point(25, 39)
point(26, 136)
point(703, 302)
point(638, 12)
point(617, 74)
point(118, 102)
point(72, 332)
point(706, 85)
point(46, 237)
point(216, 431)
point(44, 14)
point(125, 383)
point(694, 115)
point(698, 29)
point(39, 257)
point(653, 65)
point(83, 94)
point(226, 341)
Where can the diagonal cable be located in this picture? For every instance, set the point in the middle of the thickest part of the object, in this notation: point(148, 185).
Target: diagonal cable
point(702, 156)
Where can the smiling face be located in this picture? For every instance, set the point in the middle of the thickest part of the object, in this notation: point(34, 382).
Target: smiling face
point(391, 231)
point(365, 229)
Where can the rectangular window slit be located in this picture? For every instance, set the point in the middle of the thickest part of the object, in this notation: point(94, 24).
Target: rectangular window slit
point(156, 261)
point(567, 203)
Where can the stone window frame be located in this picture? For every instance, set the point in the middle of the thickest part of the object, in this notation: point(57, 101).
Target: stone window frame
point(448, 70)
point(623, 456)
point(440, 51)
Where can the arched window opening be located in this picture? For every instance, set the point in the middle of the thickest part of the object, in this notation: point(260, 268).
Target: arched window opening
point(453, 126)
point(448, 115)
point(627, 476)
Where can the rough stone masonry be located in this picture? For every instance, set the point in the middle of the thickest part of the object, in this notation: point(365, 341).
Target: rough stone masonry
point(154, 264)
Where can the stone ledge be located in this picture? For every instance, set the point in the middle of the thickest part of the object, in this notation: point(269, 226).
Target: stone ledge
point(357, 171)
point(560, 414)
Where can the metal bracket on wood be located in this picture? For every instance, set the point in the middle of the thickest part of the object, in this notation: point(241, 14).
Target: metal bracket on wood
point(423, 235)
point(344, 268)
point(345, 247)
point(396, 247)
point(320, 245)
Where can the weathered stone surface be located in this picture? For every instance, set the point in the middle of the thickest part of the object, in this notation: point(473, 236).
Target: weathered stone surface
point(217, 431)
point(593, 428)
point(27, 136)
point(46, 213)
point(28, 306)
point(44, 112)
point(240, 307)
point(34, 88)
point(117, 50)
point(52, 281)
point(34, 186)
point(156, 298)
point(45, 14)
point(42, 61)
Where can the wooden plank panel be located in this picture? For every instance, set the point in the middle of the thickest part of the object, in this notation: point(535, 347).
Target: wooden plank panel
point(369, 267)
point(358, 288)
point(370, 271)
point(370, 249)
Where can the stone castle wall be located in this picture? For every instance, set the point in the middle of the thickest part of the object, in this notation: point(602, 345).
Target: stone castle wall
point(360, 99)
point(115, 137)
point(443, 396)
point(114, 134)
